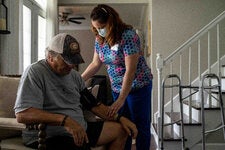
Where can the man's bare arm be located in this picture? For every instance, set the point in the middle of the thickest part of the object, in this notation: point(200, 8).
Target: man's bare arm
point(91, 103)
point(102, 111)
point(34, 115)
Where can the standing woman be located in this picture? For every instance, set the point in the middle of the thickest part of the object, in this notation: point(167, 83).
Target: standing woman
point(118, 47)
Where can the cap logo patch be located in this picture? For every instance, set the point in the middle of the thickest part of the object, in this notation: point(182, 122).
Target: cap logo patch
point(74, 48)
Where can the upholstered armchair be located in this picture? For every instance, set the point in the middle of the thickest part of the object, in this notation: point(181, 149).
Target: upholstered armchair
point(10, 129)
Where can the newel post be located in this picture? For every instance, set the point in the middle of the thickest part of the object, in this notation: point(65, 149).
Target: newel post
point(159, 66)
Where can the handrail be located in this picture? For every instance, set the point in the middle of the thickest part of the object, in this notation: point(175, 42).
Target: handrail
point(195, 36)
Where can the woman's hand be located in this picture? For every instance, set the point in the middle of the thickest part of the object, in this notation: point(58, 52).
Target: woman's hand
point(115, 107)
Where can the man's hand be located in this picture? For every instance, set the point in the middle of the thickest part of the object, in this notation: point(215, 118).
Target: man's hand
point(129, 126)
point(34, 115)
point(78, 132)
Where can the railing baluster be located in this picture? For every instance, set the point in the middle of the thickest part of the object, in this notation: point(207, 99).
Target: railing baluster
point(189, 81)
point(218, 52)
point(181, 66)
point(171, 98)
point(209, 56)
point(218, 48)
point(199, 65)
point(199, 59)
point(209, 69)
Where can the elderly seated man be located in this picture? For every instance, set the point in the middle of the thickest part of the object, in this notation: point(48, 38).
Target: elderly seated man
point(52, 92)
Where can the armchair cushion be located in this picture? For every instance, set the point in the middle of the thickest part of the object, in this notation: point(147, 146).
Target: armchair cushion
point(10, 128)
point(8, 89)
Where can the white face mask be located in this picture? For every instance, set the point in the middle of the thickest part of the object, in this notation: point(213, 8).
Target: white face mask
point(102, 32)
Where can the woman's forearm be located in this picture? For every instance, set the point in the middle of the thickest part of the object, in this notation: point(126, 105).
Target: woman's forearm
point(131, 65)
point(91, 70)
point(126, 85)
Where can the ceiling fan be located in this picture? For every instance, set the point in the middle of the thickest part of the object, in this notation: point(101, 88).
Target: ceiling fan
point(65, 19)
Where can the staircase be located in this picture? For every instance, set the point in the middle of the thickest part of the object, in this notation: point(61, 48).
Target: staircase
point(191, 93)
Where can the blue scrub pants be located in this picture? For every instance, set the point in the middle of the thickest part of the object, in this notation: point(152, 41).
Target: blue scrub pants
point(137, 108)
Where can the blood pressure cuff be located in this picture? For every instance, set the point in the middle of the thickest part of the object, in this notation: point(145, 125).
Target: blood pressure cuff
point(87, 99)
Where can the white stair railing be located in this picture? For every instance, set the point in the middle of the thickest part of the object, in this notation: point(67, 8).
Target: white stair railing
point(162, 63)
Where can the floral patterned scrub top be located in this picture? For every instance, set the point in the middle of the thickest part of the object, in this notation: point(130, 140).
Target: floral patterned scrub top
point(114, 59)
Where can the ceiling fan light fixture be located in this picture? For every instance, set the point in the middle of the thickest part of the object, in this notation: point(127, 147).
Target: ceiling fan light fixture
point(65, 19)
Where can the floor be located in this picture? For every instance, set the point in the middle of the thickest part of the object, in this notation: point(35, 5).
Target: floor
point(153, 144)
point(9, 144)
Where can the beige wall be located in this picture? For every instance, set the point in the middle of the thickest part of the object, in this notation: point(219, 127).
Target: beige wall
point(10, 43)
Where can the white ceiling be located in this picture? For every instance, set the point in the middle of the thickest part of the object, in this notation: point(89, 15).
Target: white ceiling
point(131, 13)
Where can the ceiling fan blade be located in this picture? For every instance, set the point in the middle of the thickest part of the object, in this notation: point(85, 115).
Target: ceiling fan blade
point(77, 22)
point(77, 18)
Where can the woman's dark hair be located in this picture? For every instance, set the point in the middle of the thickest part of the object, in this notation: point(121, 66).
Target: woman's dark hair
point(105, 14)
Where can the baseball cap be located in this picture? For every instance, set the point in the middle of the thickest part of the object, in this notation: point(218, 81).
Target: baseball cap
point(68, 47)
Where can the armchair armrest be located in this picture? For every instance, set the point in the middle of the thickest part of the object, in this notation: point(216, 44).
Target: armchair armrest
point(12, 124)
